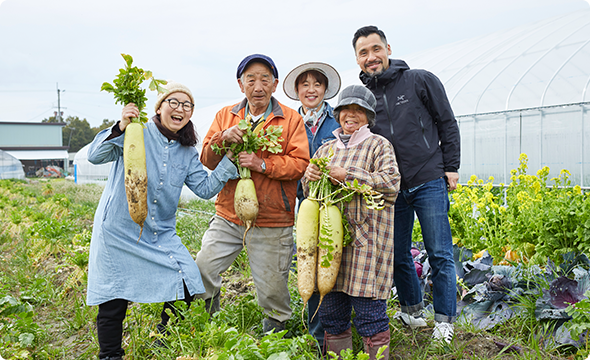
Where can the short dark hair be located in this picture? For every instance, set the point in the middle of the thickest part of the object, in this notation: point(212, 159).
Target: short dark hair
point(366, 31)
point(321, 78)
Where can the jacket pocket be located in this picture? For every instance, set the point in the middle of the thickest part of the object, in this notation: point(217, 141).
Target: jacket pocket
point(358, 219)
point(177, 174)
point(361, 234)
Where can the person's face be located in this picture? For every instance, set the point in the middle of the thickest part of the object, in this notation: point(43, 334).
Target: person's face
point(175, 119)
point(352, 117)
point(310, 92)
point(372, 54)
point(257, 83)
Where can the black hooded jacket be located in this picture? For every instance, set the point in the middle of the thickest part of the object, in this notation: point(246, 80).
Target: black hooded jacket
point(414, 113)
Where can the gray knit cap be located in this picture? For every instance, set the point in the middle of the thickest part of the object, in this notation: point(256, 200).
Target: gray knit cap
point(360, 95)
point(172, 87)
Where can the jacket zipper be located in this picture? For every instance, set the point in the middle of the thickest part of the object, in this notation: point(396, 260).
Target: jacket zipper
point(423, 135)
point(399, 165)
point(386, 109)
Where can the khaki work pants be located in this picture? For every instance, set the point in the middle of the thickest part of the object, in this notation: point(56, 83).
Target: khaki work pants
point(270, 252)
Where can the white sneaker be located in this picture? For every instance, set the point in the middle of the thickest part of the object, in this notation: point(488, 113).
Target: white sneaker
point(412, 321)
point(443, 331)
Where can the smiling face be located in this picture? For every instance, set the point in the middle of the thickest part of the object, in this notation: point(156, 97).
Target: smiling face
point(352, 118)
point(310, 91)
point(372, 54)
point(258, 85)
point(174, 119)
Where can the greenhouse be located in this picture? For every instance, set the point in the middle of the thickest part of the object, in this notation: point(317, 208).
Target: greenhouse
point(10, 167)
point(523, 90)
point(86, 172)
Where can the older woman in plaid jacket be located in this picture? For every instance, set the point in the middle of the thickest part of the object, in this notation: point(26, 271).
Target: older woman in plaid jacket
point(366, 271)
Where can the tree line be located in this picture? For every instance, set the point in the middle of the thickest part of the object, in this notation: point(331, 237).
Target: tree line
point(77, 133)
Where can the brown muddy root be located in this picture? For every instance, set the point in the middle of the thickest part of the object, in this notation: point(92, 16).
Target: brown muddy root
point(327, 276)
point(306, 275)
point(246, 204)
point(136, 191)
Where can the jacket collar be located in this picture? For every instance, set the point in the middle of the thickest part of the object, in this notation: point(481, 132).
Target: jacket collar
point(395, 68)
point(357, 137)
point(276, 107)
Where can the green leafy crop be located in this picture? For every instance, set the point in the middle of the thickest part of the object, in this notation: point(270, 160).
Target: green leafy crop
point(267, 139)
point(127, 87)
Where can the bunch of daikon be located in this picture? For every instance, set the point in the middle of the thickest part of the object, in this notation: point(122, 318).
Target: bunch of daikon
point(127, 89)
point(266, 139)
point(322, 230)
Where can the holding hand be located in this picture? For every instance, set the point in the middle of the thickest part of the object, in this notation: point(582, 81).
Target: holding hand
point(233, 135)
point(129, 111)
point(250, 161)
point(337, 174)
point(312, 172)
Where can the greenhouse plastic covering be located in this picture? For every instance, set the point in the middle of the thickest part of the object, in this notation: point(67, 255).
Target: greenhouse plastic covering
point(86, 172)
point(10, 167)
point(522, 90)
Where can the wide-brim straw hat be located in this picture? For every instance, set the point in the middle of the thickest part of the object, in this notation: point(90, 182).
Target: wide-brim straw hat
point(331, 73)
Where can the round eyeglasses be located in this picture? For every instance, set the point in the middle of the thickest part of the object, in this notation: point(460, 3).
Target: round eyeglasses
point(186, 106)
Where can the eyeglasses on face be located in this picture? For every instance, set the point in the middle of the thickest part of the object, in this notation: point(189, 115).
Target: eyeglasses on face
point(186, 106)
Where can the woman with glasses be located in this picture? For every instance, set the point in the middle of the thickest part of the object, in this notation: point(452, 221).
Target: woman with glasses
point(157, 267)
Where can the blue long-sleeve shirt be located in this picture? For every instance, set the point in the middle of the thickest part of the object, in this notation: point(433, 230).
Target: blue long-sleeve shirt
point(153, 269)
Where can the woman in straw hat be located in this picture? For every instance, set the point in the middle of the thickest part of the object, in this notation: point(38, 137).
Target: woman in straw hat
point(312, 84)
point(158, 267)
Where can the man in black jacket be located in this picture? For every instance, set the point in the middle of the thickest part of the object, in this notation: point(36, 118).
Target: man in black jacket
point(414, 113)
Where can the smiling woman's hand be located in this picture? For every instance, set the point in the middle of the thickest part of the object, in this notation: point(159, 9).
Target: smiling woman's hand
point(129, 111)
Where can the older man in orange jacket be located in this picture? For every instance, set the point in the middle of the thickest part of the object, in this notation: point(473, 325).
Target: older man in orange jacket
point(270, 242)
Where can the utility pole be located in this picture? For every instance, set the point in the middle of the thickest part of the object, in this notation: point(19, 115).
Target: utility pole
point(58, 115)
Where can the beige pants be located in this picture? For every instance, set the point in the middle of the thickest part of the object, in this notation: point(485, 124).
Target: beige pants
point(270, 251)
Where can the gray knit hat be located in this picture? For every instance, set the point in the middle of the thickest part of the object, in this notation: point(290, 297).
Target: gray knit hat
point(172, 87)
point(360, 95)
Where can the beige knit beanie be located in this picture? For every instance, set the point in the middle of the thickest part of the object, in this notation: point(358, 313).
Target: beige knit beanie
point(172, 87)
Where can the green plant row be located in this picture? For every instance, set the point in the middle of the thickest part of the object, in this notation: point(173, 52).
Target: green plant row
point(526, 220)
point(45, 231)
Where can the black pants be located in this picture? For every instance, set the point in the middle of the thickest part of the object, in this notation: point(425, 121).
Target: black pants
point(109, 323)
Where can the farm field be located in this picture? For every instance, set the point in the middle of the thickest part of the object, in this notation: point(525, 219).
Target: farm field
point(520, 250)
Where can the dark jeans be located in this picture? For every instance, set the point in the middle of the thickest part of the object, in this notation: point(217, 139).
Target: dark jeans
point(430, 202)
point(109, 323)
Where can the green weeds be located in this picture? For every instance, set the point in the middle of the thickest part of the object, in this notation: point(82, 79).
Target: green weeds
point(45, 231)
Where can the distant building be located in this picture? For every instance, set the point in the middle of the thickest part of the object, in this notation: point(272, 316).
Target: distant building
point(35, 144)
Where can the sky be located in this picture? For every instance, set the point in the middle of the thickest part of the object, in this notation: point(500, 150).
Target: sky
point(75, 45)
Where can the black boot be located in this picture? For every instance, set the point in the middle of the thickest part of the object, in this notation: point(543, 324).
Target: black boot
point(212, 304)
point(270, 324)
